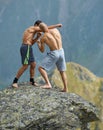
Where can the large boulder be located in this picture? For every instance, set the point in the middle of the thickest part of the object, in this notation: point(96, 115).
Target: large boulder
point(34, 108)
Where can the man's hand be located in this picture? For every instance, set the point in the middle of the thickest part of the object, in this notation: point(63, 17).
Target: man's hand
point(38, 41)
point(39, 34)
point(59, 25)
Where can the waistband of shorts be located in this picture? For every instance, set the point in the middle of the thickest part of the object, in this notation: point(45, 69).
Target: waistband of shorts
point(61, 49)
point(26, 44)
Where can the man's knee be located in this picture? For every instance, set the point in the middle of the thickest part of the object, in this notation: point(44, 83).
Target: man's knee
point(33, 65)
point(40, 68)
point(25, 67)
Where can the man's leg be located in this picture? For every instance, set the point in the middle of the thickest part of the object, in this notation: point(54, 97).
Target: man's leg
point(19, 73)
point(45, 76)
point(32, 69)
point(64, 79)
point(32, 73)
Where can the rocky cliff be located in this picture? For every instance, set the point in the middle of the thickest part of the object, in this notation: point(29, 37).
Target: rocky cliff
point(34, 108)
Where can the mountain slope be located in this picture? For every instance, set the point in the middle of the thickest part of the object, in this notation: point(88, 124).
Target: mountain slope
point(84, 83)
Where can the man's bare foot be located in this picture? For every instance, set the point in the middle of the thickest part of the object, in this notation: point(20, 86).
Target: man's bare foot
point(34, 84)
point(15, 85)
point(46, 86)
point(64, 90)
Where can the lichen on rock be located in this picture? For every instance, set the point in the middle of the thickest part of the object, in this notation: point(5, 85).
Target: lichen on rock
point(33, 108)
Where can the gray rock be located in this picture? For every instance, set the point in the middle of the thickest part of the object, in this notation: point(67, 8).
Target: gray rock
point(34, 108)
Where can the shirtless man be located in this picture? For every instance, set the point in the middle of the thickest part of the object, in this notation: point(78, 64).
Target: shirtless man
point(52, 38)
point(27, 53)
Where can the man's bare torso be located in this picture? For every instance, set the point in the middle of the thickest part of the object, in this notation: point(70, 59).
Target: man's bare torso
point(29, 35)
point(53, 39)
point(57, 36)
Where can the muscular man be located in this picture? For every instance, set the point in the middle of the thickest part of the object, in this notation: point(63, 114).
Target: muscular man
point(27, 52)
point(52, 38)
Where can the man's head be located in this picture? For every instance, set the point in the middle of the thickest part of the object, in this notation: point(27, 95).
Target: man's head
point(37, 23)
point(43, 27)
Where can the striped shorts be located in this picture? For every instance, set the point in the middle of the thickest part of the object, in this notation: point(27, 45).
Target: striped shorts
point(27, 56)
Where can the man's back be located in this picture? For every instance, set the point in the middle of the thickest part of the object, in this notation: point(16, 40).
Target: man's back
point(51, 38)
point(57, 36)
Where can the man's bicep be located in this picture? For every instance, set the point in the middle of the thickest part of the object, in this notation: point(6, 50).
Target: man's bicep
point(34, 29)
point(42, 41)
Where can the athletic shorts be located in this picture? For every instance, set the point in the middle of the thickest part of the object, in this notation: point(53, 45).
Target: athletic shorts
point(27, 56)
point(54, 57)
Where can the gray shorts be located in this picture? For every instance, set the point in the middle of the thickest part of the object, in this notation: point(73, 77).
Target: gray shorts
point(54, 57)
point(26, 54)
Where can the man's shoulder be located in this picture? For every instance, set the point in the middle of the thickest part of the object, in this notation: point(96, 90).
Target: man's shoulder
point(47, 34)
point(32, 29)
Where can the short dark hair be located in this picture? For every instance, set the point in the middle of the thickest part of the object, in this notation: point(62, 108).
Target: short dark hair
point(37, 22)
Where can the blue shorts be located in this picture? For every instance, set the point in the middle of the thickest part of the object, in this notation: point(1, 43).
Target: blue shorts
point(54, 57)
point(27, 56)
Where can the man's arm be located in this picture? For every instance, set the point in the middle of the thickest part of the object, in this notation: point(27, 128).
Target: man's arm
point(41, 44)
point(54, 26)
point(49, 27)
point(37, 37)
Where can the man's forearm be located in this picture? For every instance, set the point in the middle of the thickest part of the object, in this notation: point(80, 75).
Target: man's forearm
point(51, 27)
point(40, 46)
point(37, 37)
point(54, 26)
point(35, 40)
